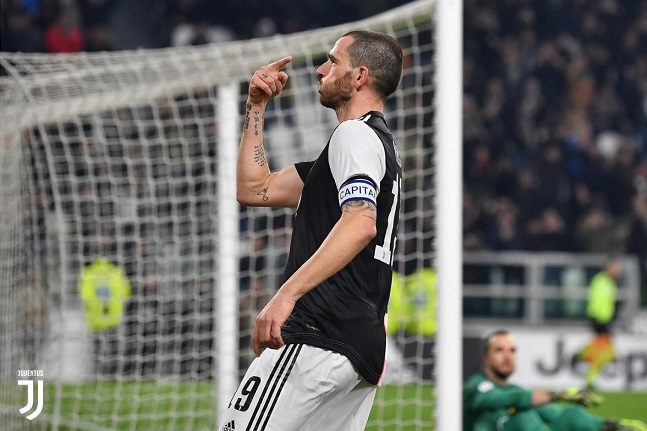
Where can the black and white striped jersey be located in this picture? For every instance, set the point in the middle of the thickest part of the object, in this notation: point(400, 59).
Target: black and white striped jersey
point(346, 312)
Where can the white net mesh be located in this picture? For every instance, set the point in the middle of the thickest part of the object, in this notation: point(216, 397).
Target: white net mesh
point(116, 156)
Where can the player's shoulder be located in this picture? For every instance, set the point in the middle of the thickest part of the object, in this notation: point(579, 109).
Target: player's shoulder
point(473, 382)
point(355, 135)
point(480, 383)
point(354, 126)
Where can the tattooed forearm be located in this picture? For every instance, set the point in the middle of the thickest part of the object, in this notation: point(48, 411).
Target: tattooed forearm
point(248, 108)
point(366, 207)
point(263, 193)
point(257, 119)
point(259, 155)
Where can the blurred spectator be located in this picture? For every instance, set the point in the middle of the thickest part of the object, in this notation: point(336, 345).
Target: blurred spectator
point(506, 233)
point(265, 27)
point(34, 319)
point(64, 35)
point(105, 290)
point(582, 202)
point(595, 232)
point(554, 181)
point(527, 195)
point(473, 224)
point(21, 35)
point(200, 34)
point(414, 299)
point(637, 239)
point(548, 232)
point(99, 38)
point(95, 12)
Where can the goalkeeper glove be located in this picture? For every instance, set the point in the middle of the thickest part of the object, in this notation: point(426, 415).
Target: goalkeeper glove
point(633, 425)
point(574, 395)
point(623, 425)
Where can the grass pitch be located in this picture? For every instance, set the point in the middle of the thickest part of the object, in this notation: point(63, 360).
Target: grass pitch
point(190, 405)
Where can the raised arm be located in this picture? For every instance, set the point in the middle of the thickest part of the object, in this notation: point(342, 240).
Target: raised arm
point(255, 184)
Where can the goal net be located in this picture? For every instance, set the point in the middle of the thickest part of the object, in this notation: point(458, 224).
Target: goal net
point(129, 276)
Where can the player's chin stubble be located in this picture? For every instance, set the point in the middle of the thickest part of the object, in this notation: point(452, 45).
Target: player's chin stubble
point(500, 374)
point(337, 94)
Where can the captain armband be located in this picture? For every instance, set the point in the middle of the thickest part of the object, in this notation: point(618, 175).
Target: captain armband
point(358, 189)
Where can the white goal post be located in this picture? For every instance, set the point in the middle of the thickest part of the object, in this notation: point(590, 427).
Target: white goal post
point(449, 195)
point(124, 162)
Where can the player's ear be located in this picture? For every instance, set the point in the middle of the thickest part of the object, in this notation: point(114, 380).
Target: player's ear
point(361, 77)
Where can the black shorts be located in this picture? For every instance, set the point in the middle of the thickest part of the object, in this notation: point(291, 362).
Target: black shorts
point(601, 328)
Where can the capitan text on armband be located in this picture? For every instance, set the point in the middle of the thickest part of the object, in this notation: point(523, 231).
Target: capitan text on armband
point(357, 189)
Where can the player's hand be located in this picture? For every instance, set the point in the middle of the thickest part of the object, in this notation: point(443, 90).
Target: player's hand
point(267, 330)
point(268, 82)
point(574, 395)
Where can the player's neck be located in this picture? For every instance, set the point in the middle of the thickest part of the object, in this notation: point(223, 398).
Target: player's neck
point(356, 108)
point(501, 381)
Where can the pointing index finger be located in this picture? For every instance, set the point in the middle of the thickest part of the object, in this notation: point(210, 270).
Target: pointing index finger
point(255, 343)
point(280, 63)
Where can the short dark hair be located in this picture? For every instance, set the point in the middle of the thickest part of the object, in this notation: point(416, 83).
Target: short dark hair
point(487, 338)
point(381, 54)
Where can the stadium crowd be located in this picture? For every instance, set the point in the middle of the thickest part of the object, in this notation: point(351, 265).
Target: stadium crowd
point(555, 126)
point(55, 26)
point(58, 26)
point(555, 105)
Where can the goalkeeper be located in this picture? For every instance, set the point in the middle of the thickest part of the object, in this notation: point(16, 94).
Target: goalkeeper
point(490, 403)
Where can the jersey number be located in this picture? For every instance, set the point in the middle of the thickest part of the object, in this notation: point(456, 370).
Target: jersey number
point(247, 392)
point(383, 253)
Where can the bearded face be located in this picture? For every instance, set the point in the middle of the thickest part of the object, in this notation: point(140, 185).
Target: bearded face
point(501, 356)
point(337, 93)
point(502, 372)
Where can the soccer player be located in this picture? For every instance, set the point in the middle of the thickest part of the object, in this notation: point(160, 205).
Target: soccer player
point(490, 403)
point(324, 329)
point(601, 309)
